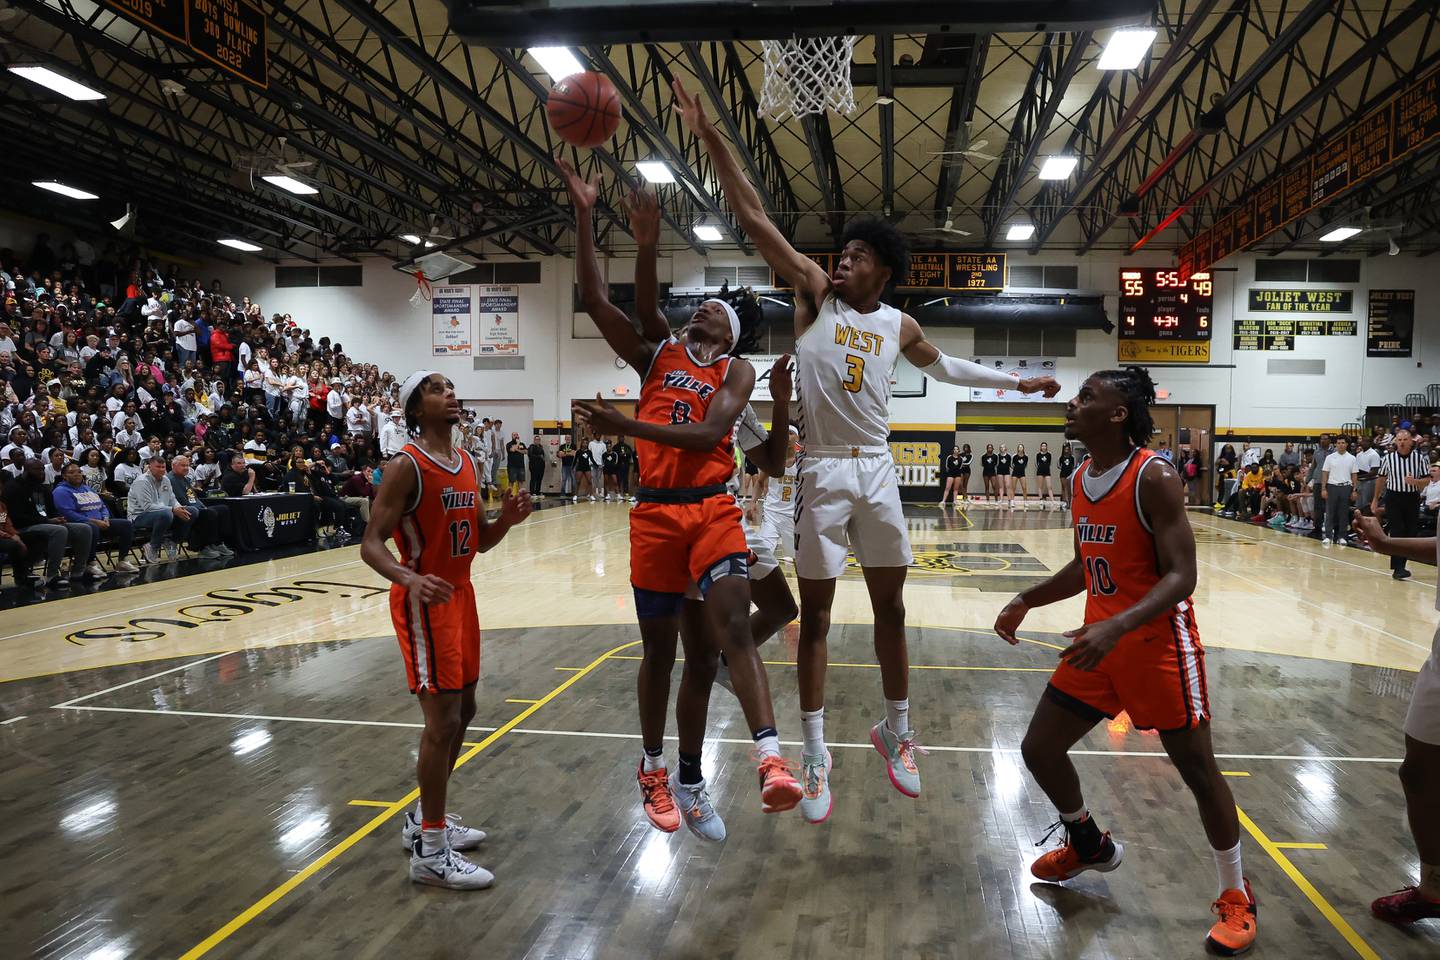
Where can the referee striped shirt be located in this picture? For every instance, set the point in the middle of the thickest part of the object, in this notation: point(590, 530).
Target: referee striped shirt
point(1396, 468)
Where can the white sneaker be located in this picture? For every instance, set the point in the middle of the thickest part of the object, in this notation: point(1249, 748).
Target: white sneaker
point(459, 836)
point(225, 550)
point(591, 498)
point(95, 571)
point(699, 813)
point(899, 754)
point(446, 868)
point(816, 802)
point(211, 552)
point(125, 566)
point(1325, 542)
point(150, 554)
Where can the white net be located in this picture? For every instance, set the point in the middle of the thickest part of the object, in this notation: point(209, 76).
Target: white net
point(807, 76)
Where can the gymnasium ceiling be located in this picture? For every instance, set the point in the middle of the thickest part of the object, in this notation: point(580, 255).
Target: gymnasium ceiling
point(409, 130)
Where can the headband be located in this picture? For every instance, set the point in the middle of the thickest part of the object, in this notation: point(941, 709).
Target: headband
point(411, 383)
point(734, 319)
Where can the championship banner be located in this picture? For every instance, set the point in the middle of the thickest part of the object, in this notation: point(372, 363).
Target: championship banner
point(499, 315)
point(451, 310)
point(1023, 367)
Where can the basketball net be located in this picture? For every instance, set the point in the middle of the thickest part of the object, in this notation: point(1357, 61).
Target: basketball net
point(806, 76)
point(422, 289)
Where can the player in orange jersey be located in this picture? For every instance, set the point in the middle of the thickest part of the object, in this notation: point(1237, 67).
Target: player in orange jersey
point(429, 501)
point(1139, 649)
point(686, 526)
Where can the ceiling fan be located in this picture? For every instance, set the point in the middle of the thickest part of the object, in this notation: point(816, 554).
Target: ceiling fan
point(948, 229)
point(965, 147)
point(264, 164)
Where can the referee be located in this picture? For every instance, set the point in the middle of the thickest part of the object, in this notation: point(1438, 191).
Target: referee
point(1404, 472)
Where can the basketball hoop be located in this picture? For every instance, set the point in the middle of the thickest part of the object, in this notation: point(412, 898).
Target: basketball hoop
point(422, 289)
point(806, 76)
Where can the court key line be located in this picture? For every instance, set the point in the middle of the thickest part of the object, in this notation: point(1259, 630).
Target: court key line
point(320, 862)
point(607, 735)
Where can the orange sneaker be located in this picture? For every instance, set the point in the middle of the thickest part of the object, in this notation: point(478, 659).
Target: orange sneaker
point(1234, 932)
point(659, 803)
point(779, 790)
point(1066, 863)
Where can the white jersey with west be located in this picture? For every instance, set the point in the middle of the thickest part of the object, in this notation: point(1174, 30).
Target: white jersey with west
point(843, 364)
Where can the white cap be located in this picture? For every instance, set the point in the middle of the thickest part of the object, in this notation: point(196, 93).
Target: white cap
point(411, 382)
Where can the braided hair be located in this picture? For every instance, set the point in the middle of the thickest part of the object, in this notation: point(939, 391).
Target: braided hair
point(752, 319)
point(1138, 389)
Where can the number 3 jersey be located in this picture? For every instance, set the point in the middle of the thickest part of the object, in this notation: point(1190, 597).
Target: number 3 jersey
point(678, 389)
point(1117, 546)
point(843, 363)
point(438, 529)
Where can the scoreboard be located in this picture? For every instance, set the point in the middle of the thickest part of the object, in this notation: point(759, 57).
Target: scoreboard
point(1161, 304)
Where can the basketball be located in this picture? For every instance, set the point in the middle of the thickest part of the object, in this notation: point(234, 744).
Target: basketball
point(584, 109)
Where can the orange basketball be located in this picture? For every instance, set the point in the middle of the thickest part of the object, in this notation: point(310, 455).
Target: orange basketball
point(584, 109)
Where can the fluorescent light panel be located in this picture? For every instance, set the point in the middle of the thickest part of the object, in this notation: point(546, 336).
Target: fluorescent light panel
point(289, 183)
point(708, 231)
point(1339, 234)
point(411, 239)
point(58, 82)
point(64, 189)
point(1126, 49)
point(559, 62)
point(1020, 231)
point(655, 171)
point(1057, 168)
point(240, 245)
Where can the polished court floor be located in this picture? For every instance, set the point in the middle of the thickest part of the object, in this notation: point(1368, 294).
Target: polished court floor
point(215, 765)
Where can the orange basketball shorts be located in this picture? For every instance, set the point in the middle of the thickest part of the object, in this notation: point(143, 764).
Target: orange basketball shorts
point(672, 544)
point(439, 641)
point(1156, 675)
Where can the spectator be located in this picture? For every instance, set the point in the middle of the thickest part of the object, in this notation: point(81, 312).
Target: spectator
point(78, 503)
point(1163, 451)
point(566, 455)
point(535, 453)
point(515, 452)
point(335, 405)
point(1225, 462)
point(1289, 457)
point(212, 526)
point(1430, 496)
point(1337, 477)
point(1317, 488)
point(357, 424)
point(497, 450)
point(156, 513)
point(42, 527)
point(393, 436)
point(239, 479)
point(625, 459)
point(584, 474)
point(598, 447)
point(358, 491)
point(1252, 488)
point(1367, 467)
point(13, 547)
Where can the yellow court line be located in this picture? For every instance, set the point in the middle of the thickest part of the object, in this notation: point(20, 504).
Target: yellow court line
point(371, 803)
point(322, 861)
point(519, 700)
point(1276, 853)
point(569, 668)
point(1233, 773)
point(876, 666)
point(1300, 846)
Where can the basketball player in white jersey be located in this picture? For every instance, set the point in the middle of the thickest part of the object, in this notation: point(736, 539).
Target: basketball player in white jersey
point(846, 345)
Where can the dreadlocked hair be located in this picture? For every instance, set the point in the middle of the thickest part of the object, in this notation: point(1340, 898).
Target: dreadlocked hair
point(891, 246)
point(412, 411)
point(1138, 389)
point(752, 319)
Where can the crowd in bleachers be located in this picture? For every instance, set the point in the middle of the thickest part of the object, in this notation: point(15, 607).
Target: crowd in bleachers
point(132, 400)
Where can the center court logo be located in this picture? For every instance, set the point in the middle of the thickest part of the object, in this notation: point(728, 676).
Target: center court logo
point(227, 605)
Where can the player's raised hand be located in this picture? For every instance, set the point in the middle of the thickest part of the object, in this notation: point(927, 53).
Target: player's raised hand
point(583, 193)
point(601, 415)
point(644, 213)
point(1089, 644)
point(429, 588)
point(1370, 532)
point(1046, 385)
point(690, 109)
point(515, 506)
point(781, 381)
point(1010, 619)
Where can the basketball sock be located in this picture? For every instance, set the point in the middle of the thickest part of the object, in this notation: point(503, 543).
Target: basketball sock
point(1085, 836)
point(767, 742)
point(432, 838)
point(653, 759)
point(897, 716)
point(690, 773)
point(1227, 868)
point(812, 723)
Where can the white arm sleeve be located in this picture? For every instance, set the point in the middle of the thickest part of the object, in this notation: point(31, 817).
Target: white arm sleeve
point(965, 373)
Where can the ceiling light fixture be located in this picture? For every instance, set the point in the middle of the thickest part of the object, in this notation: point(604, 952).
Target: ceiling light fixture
point(1126, 49)
point(64, 189)
point(240, 245)
point(1339, 234)
point(1058, 168)
point(54, 81)
point(1020, 231)
point(289, 183)
point(708, 232)
point(655, 171)
point(559, 62)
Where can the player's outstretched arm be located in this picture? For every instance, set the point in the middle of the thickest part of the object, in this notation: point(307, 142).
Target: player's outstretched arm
point(960, 372)
point(644, 214)
point(397, 486)
point(1068, 581)
point(515, 506)
point(1419, 549)
point(705, 434)
point(810, 282)
point(628, 345)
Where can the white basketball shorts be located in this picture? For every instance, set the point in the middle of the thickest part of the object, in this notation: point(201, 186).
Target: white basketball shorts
point(848, 503)
point(769, 540)
point(1423, 719)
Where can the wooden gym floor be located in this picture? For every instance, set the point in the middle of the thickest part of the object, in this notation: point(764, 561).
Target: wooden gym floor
point(215, 766)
